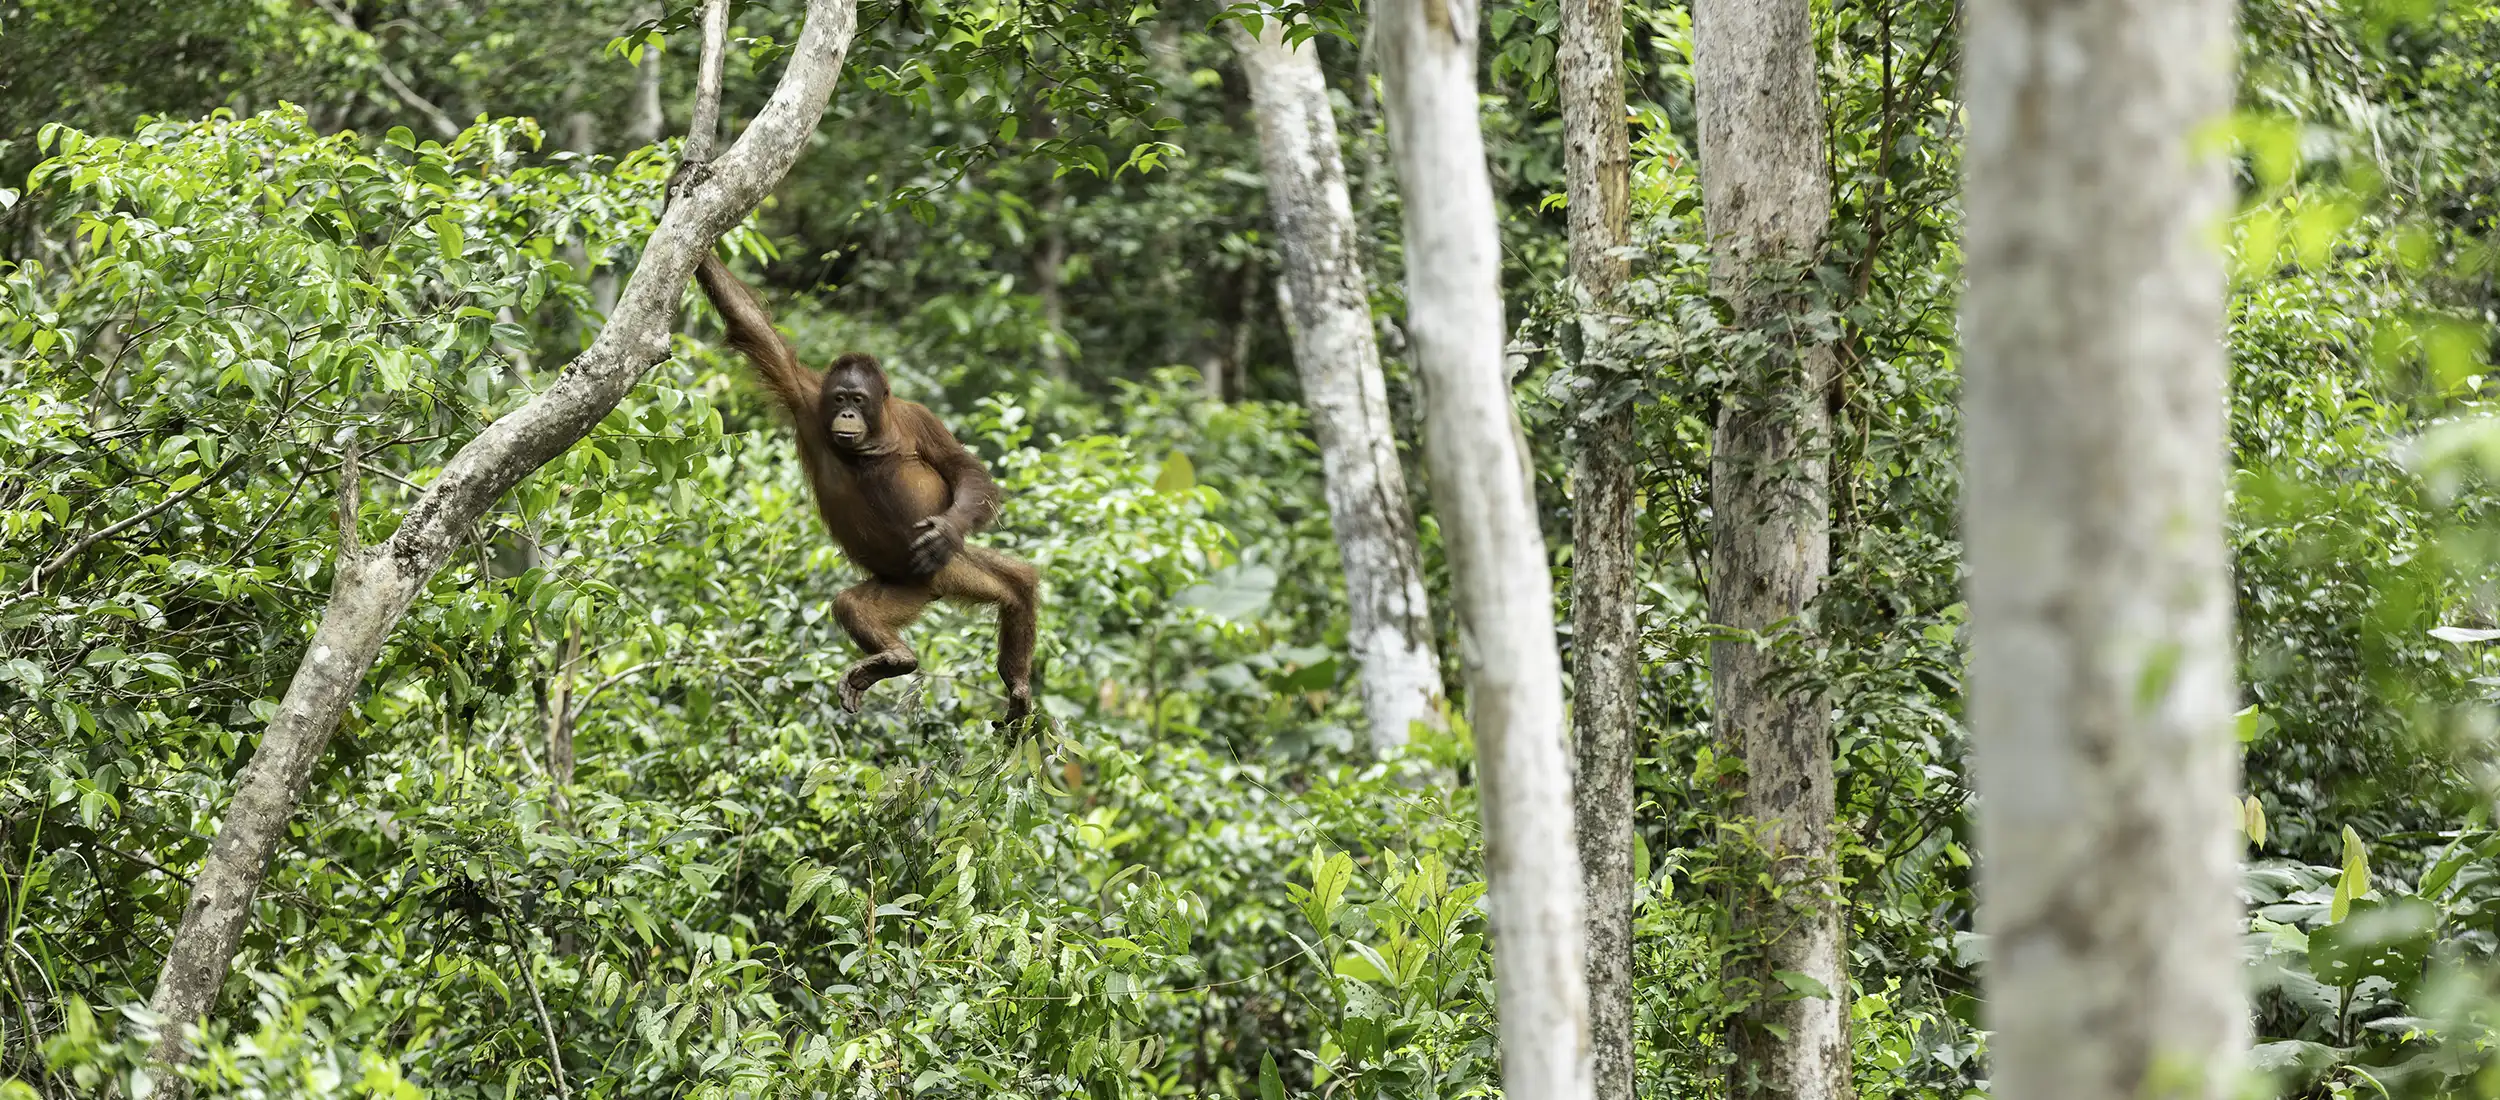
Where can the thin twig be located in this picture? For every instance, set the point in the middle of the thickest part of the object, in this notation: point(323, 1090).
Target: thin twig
point(246, 546)
point(583, 704)
point(61, 560)
point(546, 1023)
point(434, 115)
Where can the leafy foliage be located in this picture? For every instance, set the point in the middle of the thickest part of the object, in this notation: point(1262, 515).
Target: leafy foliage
point(597, 823)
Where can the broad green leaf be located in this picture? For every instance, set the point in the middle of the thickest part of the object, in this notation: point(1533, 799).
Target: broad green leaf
point(2354, 882)
point(1801, 985)
point(1356, 966)
point(1177, 476)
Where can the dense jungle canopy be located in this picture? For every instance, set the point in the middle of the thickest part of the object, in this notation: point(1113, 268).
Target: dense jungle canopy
point(595, 823)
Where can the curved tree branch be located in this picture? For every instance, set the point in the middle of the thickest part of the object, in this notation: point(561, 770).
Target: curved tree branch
point(371, 591)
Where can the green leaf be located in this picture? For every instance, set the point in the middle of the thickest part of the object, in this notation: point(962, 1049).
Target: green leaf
point(24, 671)
point(1177, 476)
point(2355, 881)
point(1237, 593)
point(1271, 1083)
point(2444, 870)
point(1329, 876)
point(1801, 985)
point(2252, 724)
point(394, 367)
point(2161, 668)
point(1355, 966)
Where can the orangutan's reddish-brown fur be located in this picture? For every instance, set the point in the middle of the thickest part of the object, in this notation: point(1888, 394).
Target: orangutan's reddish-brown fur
point(898, 493)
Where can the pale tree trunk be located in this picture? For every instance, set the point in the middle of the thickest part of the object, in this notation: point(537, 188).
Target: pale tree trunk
point(1605, 582)
point(373, 588)
point(1487, 508)
point(1766, 204)
point(1211, 375)
point(1049, 271)
point(1326, 298)
point(2100, 588)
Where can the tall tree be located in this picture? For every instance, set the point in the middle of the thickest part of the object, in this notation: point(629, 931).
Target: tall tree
point(2100, 586)
point(1766, 206)
point(1480, 490)
point(373, 588)
point(1327, 304)
point(1605, 588)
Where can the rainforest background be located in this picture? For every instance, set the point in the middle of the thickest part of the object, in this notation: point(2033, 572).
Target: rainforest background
point(597, 797)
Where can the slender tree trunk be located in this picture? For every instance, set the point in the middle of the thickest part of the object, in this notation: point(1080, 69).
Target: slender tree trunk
point(1605, 581)
point(703, 128)
point(1238, 335)
point(1049, 270)
point(2100, 587)
point(1326, 298)
point(372, 589)
point(1487, 508)
point(1766, 195)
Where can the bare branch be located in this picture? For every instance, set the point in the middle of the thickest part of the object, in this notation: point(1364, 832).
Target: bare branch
point(704, 129)
point(574, 721)
point(694, 162)
point(434, 116)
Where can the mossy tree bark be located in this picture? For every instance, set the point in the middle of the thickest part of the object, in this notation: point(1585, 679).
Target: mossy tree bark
point(1605, 580)
point(1766, 205)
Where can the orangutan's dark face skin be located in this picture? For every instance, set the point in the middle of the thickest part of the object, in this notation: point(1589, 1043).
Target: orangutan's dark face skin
point(854, 402)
